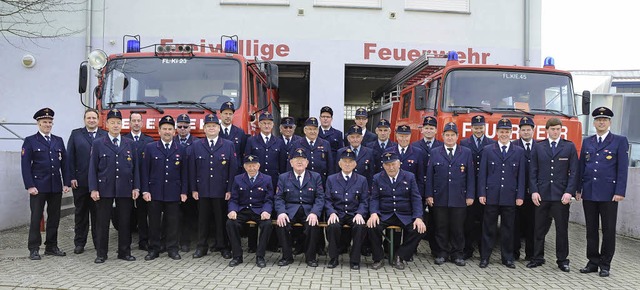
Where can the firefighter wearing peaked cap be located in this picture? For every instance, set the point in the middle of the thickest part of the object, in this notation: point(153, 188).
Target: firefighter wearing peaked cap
point(362, 118)
point(327, 132)
point(232, 132)
point(163, 182)
point(604, 162)
point(188, 209)
point(44, 172)
point(365, 157)
point(382, 142)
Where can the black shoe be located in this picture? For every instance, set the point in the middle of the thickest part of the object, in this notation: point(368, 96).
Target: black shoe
point(510, 264)
point(460, 262)
point(527, 258)
point(589, 269)
point(235, 261)
point(99, 260)
point(467, 255)
point(34, 255)
point(54, 252)
point(143, 247)
point(285, 262)
point(199, 253)
point(439, 260)
point(332, 263)
point(533, 264)
point(564, 268)
point(312, 263)
point(128, 258)
point(355, 266)
point(185, 249)
point(151, 255)
point(377, 265)
point(603, 273)
point(297, 252)
point(226, 254)
point(78, 250)
point(175, 255)
point(398, 263)
point(484, 263)
point(321, 251)
point(251, 250)
point(260, 262)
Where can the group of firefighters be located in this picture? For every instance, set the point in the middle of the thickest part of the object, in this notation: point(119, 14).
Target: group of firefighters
point(354, 186)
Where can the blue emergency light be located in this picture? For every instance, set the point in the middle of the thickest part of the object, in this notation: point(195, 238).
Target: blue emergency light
point(549, 62)
point(133, 45)
point(452, 55)
point(231, 46)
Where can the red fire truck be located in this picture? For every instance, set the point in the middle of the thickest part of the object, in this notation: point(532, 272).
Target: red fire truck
point(173, 79)
point(452, 92)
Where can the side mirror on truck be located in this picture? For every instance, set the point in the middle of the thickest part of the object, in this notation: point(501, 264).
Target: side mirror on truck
point(82, 78)
point(272, 75)
point(586, 102)
point(421, 97)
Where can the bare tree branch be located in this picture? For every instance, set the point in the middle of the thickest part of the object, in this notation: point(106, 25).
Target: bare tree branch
point(36, 19)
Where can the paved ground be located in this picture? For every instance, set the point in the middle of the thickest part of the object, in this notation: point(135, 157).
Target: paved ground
point(79, 271)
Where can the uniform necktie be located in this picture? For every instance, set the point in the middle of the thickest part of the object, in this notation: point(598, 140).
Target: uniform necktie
point(599, 140)
point(136, 138)
point(266, 140)
point(211, 144)
point(226, 131)
point(528, 148)
point(450, 153)
point(48, 138)
point(355, 151)
point(478, 143)
point(92, 135)
point(504, 151)
point(383, 145)
point(300, 180)
point(393, 181)
point(115, 142)
point(183, 141)
point(402, 151)
point(252, 179)
point(311, 143)
point(166, 146)
point(429, 144)
point(346, 177)
point(553, 147)
point(286, 141)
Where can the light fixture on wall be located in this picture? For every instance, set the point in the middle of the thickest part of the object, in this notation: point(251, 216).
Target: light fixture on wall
point(28, 61)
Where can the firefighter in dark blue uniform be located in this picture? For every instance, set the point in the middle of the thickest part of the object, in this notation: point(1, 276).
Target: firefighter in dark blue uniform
point(346, 203)
point(114, 175)
point(79, 151)
point(140, 214)
point(212, 165)
point(429, 141)
point(332, 135)
point(604, 162)
point(318, 150)
point(525, 214)
point(163, 182)
point(553, 180)
point(412, 158)
point(362, 118)
point(44, 167)
point(383, 131)
point(287, 130)
point(269, 149)
point(299, 199)
point(475, 213)
point(395, 201)
point(189, 208)
point(501, 183)
point(232, 132)
point(366, 158)
point(450, 189)
point(251, 200)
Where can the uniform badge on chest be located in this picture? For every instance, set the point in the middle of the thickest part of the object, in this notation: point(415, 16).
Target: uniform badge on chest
point(60, 156)
point(462, 168)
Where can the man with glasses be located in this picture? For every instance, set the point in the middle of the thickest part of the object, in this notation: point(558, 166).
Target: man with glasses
point(189, 208)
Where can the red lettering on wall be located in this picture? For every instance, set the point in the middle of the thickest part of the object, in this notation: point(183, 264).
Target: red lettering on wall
point(371, 51)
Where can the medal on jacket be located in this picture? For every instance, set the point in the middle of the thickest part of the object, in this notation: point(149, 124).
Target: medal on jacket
point(177, 163)
point(609, 157)
point(128, 158)
point(60, 156)
point(587, 157)
point(224, 162)
point(462, 168)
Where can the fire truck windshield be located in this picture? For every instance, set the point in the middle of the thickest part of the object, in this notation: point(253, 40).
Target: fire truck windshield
point(495, 90)
point(166, 82)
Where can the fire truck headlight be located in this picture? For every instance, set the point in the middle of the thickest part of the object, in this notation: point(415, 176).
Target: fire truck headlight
point(97, 59)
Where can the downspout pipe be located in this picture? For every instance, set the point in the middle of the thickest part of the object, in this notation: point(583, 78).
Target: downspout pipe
point(527, 33)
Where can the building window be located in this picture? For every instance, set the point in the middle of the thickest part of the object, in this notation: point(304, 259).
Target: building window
point(371, 4)
point(350, 112)
point(255, 2)
point(455, 6)
point(284, 110)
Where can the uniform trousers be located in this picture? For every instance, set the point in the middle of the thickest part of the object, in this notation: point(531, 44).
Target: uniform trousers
point(560, 214)
point(450, 237)
point(310, 233)
point(234, 226)
point(84, 216)
point(594, 213)
point(104, 208)
point(165, 213)
point(37, 203)
point(335, 234)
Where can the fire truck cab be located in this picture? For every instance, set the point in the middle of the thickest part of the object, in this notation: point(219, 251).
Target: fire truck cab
point(443, 88)
point(176, 78)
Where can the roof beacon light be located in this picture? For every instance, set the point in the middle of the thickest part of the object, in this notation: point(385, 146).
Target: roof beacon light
point(452, 58)
point(231, 46)
point(549, 62)
point(133, 45)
